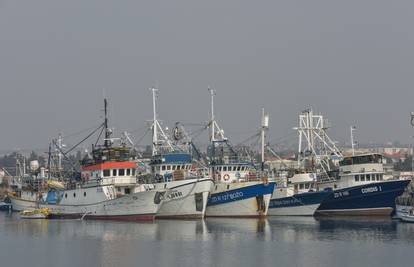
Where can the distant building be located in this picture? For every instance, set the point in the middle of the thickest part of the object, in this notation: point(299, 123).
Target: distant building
point(282, 164)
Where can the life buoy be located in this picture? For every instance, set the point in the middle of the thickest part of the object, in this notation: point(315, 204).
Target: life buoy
point(226, 177)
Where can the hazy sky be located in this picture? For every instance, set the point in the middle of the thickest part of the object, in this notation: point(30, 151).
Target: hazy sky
point(351, 60)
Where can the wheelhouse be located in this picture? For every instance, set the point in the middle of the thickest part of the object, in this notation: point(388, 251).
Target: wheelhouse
point(170, 167)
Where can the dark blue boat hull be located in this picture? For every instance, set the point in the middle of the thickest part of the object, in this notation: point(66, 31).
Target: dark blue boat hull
point(370, 199)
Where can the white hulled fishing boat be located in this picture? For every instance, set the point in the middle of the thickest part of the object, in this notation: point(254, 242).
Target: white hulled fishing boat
point(186, 195)
point(108, 189)
point(296, 195)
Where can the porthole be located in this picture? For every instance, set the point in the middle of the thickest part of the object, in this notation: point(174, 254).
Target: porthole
point(66, 195)
point(84, 194)
point(74, 194)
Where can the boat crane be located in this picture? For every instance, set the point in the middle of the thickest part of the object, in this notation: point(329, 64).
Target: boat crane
point(314, 140)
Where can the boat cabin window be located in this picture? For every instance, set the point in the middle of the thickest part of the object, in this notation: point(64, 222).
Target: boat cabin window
point(364, 159)
point(74, 194)
point(179, 167)
point(225, 168)
point(133, 171)
point(84, 194)
point(114, 172)
point(238, 168)
point(121, 172)
point(163, 167)
point(362, 178)
point(174, 167)
point(301, 186)
point(168, 167)
point(296, 187)
point(368, 177)
point(106, 173)
point(306, 186)
point(66, 195)
point(128, 172)
point(127, 191)
point(356, 178)
point(118, 189)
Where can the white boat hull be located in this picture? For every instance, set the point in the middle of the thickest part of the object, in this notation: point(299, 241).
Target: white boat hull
point(184, 198)
point(307, 210)
point(407, 218)
point(240, 200)
point(98, 203)
point(132, 207)
point(19, 204)
point(401, 210)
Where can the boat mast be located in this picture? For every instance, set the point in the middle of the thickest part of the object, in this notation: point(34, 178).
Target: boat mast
point(159, 138)
point(264, 128)
point(216, 133)
point(107, 132)
point(353, 128)
point(212, 119)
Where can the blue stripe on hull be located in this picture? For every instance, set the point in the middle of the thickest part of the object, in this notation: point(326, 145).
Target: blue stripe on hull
point(365, 197)
point(240, 193)
point(303, 199)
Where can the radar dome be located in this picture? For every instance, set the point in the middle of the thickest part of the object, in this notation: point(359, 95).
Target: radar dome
point(34, 165)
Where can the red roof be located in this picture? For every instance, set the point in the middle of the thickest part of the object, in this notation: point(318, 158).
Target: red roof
point(110, 165)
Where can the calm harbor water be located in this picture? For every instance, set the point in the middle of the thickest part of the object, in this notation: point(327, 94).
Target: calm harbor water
point(281, 241)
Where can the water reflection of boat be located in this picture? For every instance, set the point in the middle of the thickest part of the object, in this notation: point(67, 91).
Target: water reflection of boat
point(220, 226)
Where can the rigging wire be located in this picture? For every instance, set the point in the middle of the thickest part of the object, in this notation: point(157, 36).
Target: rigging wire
point(80, 132)
point(142, 137)
point(84, 139)
point(99, 136)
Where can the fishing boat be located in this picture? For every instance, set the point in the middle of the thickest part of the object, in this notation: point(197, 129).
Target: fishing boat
point(297, 196)
point(35, 214)
point(360, 188)
point(171, 164)
point(108, 189)
point(29, 187)
point(237, 192)
point(404, 203)
point(356, 181)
